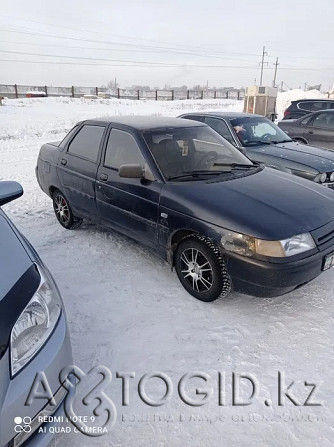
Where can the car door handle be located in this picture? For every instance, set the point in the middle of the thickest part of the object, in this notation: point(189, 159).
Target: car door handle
point(63, 162)
point(103, 177)
point(310, 131)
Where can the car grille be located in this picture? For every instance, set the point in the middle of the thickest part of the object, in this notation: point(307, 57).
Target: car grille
point(324, 236)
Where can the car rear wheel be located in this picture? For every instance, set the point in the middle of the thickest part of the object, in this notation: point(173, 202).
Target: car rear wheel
point(63, 212)
point(201, 268)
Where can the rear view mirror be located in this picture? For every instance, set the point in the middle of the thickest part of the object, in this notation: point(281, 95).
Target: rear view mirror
point(9, 191)
point(136, 171)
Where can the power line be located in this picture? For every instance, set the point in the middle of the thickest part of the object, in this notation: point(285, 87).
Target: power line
point(125, 50)
point(103, 59)
point(135, 46)
point(127, 64)
point(148, 64)
point(130, 38)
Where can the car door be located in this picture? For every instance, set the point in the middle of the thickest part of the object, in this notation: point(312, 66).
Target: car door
point(77, 167)
point(129, 205)
point(320, 130)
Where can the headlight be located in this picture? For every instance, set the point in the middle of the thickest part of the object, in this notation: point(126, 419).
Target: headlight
point(35, 324)
point(249, 246)
point(321, 178)
point(331, 178)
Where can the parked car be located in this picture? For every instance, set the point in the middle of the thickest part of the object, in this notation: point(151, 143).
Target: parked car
point(180, 188)
point(302, 107)
point(316, 128)
point(33, 334)
point(262, 141)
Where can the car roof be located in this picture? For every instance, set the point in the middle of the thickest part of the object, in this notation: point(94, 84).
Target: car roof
point(227, 115)
point(145, 122)
point(313, 100)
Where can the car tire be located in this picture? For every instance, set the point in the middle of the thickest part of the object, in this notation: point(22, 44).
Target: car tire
point(63, 211)
point(201, 268)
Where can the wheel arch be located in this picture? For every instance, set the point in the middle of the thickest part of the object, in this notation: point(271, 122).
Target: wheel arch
point(52, 190)
point(174, 241)
point(300, 139)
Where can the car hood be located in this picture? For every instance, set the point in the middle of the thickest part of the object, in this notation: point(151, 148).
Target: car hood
point(269, 204)
point(320, 159)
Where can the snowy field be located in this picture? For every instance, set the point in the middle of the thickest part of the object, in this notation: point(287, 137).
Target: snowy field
point(127, 311)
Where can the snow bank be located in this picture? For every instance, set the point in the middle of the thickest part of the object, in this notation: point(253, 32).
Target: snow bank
point(27, 117)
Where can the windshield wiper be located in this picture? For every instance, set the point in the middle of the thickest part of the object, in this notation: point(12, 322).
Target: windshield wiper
point(234, 165)
point(250, 143)
point(195, 174)
point(282, 141)
point(199, 172)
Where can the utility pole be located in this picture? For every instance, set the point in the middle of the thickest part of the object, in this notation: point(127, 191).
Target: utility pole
point(262, 63)
point(275, 74)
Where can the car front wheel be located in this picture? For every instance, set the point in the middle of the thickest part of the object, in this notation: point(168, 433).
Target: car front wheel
point(201, 268)
point(63, 211)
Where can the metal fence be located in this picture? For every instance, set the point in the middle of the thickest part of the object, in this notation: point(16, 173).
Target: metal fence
point(22, 91)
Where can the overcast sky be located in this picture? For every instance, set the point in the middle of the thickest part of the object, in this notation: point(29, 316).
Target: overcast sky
point(173, 42)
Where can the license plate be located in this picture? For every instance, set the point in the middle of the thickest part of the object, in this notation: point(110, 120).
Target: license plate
point(328, 261)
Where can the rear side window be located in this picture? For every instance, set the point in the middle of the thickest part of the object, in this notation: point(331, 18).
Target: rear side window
point(314, 106)
point(221, 127)
point(87, 142)
point(195, 118)
point(122, 149)
point(306, 121)
point(69, 136)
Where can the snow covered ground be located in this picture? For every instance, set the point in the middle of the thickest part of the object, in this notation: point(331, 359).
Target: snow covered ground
point(127, 311)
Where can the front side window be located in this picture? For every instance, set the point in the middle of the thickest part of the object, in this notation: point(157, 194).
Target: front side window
point(324, 120)
point(122, 149)
point(87, 142)
point(188, 150)
point(253, 131)
point(221, 127)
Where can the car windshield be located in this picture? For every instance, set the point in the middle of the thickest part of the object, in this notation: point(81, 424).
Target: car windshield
point(252, 131)
point(193, 151)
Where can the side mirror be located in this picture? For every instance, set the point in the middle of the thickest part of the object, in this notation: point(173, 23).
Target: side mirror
point(131, 171)
point(9, 191)
point(136, 171)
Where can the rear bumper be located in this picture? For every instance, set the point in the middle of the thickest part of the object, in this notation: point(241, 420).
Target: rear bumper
point(259, 278)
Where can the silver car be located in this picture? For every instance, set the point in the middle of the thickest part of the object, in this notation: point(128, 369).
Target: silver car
point(315, 129)
point(33, 335)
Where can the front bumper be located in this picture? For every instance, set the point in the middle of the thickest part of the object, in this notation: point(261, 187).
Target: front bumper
point(266, 279)
point(53, 357)
point(41, 434)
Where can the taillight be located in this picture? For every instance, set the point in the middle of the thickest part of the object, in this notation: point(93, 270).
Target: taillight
point(286, 114)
